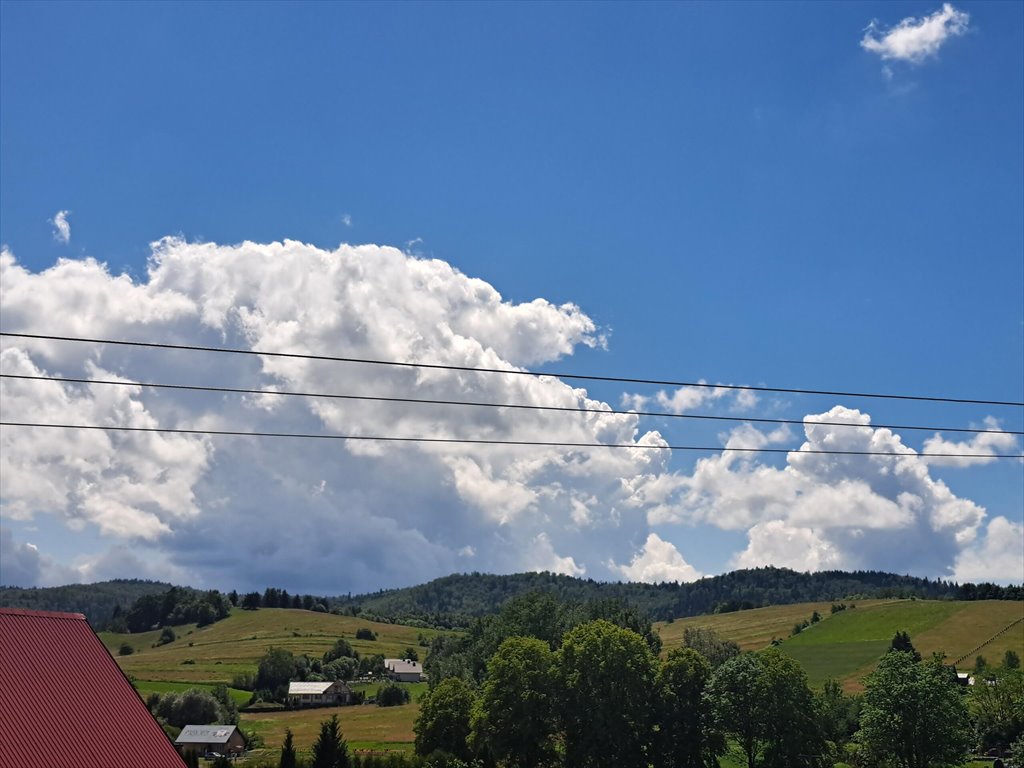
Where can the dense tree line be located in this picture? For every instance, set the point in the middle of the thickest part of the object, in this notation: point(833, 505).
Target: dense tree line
point(272, 597)
point(97, 601)
point(454, 601)
point(176, 606)
point(538, 615)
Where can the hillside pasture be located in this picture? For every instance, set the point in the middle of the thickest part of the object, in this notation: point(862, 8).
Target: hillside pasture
point(752, 629)
point(216, 653)
point(846, 645)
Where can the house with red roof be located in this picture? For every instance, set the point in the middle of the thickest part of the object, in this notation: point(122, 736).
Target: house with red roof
point(64, 702)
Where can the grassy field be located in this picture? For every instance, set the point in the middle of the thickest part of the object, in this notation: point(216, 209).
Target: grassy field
point(216, 653)
point(364, 727)
point(753, 629)
point(847, 645)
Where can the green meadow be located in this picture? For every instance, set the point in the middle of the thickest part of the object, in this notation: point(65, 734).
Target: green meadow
point(846, 645)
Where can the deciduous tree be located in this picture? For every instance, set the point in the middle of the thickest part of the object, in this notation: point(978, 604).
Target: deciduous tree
point(515, 715)
point(686, 738)
point(607, 678)
point(444, 720)
point(914, 714)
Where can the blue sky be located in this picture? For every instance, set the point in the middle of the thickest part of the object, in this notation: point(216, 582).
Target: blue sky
point(750, 193)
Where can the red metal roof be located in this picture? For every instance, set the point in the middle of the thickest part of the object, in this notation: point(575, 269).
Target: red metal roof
point(64, 702)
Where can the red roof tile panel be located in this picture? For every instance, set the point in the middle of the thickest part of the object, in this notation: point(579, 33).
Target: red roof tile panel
point(64, 702)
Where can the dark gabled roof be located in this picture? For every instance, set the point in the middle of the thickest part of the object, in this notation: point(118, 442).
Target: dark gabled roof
point(205, 734)
point(64, 702)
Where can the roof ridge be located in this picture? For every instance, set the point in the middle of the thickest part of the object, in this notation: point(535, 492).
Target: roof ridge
point(43, 614)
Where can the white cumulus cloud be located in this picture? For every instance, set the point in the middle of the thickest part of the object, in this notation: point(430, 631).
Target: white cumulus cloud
point(984, 445)
point(999, 556)
point(687, 398)
point(544, 558)
point(915, 39)
point(290, 502)
point(882, 511)
point(246, 512)
point(61, 227)
point(658, 561)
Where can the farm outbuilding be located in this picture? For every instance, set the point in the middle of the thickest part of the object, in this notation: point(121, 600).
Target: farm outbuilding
point(64, 702)
point(223, 739)
point(319, 694)
point(403, 670)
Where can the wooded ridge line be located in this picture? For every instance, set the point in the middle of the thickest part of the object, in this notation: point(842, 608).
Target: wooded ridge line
point(455, 600)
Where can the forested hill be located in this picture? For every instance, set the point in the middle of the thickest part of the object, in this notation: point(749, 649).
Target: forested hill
point(454, 600)
point(97, 601)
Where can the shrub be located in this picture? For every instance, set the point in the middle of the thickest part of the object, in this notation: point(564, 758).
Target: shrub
point(166, 636)
point(392, 695)
point(365, 633)
point(125, 650)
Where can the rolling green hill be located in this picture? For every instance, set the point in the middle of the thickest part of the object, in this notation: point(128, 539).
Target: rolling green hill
point(455, 600)
point(846, 645)
point(216, 653)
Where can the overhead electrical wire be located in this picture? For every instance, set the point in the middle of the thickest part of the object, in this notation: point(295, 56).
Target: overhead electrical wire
point(518, 406)
point(484, 441)
point(509, 372)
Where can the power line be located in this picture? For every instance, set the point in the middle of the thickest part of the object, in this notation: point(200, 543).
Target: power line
point(510, 372)
point(520, 406)
point(483, 441)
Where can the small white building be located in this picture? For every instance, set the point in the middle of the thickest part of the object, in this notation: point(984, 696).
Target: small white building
point(201, 739)
point(403, 670)
point(319, 694)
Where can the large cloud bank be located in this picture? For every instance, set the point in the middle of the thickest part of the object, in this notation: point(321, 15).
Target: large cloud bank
point(334, 516)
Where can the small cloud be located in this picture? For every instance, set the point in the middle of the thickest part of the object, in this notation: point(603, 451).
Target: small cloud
point(915, 39)
point(409, 244)
point(467, 551)
point(658, 561)
point(984, 445)
point(61, 227)
point(346, 219)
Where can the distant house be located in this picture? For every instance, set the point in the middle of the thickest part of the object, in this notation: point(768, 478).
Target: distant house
point(224, 739)
point(64, 702)
point(321, 694)
point(403, 670)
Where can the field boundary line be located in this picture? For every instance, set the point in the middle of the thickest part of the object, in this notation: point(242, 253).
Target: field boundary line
point(997, 634)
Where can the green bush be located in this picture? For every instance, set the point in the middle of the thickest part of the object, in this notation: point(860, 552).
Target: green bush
point(392, 695)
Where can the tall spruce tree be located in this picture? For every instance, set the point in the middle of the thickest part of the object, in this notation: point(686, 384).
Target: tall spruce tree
point(330, 749)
